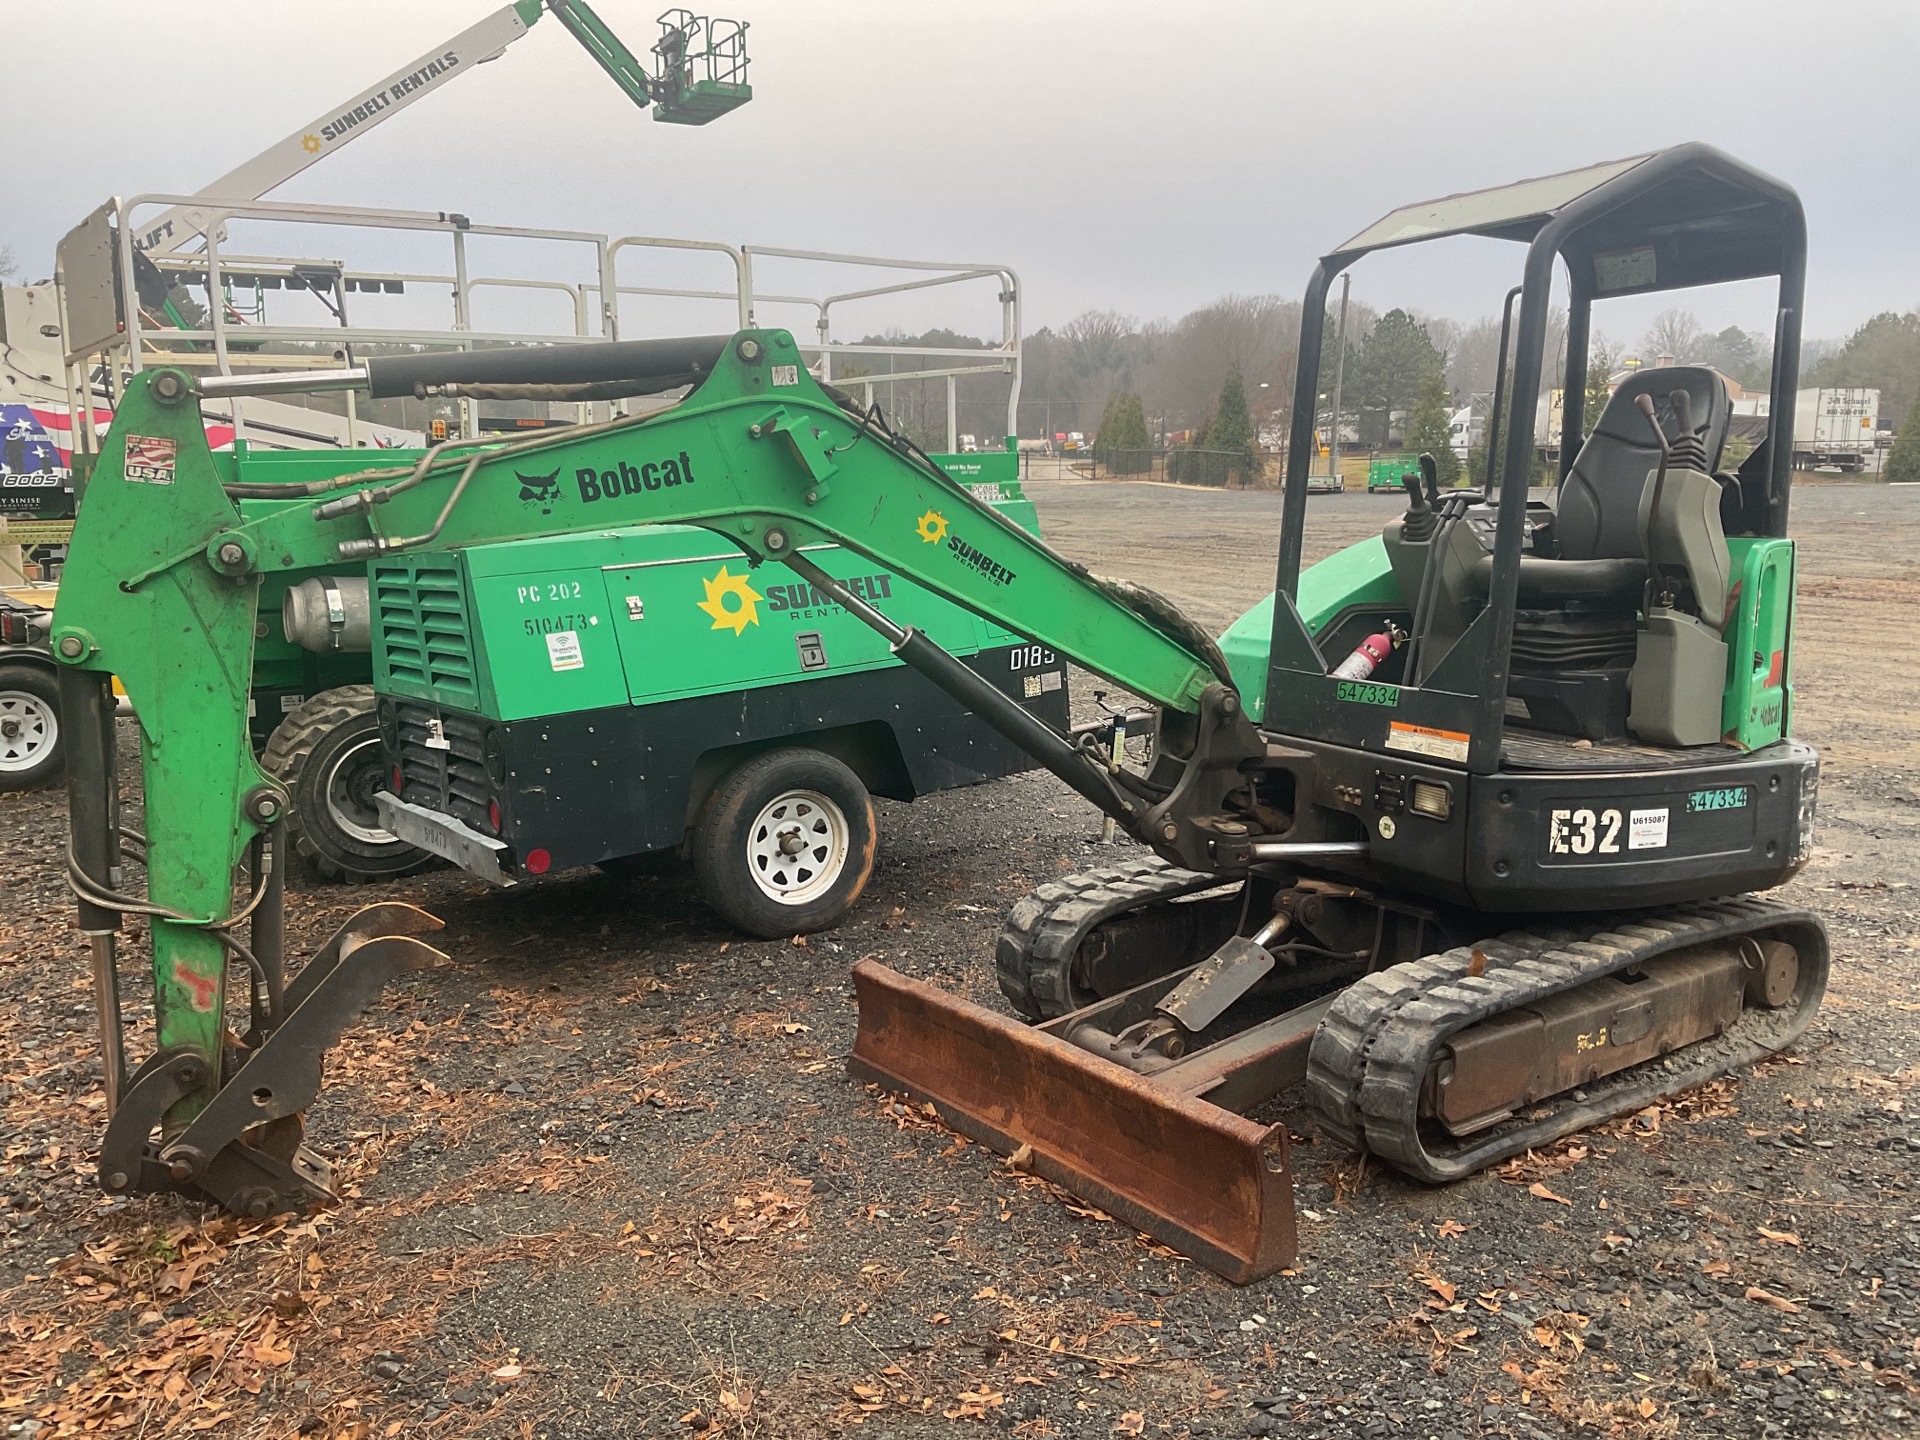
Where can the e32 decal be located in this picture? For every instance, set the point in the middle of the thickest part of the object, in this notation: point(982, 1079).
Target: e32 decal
point(1581, 831)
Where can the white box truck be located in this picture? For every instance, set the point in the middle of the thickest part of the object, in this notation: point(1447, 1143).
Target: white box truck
point(1834, 427)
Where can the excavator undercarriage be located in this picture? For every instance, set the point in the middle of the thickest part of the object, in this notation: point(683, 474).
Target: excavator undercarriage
point(1139, 1098)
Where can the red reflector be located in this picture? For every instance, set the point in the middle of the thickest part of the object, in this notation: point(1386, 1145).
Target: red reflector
point(493, 815)
point(399, 780)
point(538, 862)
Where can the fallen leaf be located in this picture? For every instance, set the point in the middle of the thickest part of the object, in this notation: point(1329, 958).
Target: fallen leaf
point(796, 1029)
point(507, 1372)
point(1780, 1237)
point(1438, 1286)
point(1647, 1407)
point(1021, 1159)
point(868, 1392)
point(1478, 964)
point(939, 1317)
point(1545, 1194)
point(1131, 1423)
point(1767, 1297)
point(1448, 1229)
point(1716, 1267)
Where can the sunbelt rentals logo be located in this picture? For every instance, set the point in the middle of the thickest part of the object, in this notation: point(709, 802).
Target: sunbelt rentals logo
point(731, 601)
point(932, 528)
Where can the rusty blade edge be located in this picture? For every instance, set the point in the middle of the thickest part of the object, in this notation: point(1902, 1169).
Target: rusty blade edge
point(906, 1025)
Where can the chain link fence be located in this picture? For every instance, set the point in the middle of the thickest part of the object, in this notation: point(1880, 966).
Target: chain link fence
point(1218, 469)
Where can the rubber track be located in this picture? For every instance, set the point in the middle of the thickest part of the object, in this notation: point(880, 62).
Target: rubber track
point(1033, 958)
point(1370, 1057)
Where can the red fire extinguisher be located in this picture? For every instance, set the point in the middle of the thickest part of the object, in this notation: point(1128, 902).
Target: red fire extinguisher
point(1371, 654)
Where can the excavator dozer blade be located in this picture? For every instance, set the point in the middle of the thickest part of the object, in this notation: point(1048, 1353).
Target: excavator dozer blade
point(1207, 1182)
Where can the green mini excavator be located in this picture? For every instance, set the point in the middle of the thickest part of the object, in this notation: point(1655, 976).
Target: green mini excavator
point(1460, 829)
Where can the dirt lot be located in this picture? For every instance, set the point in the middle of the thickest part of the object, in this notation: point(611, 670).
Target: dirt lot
point(606, 1176)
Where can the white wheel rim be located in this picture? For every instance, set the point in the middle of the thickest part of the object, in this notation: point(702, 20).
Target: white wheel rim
point(348, 809)
point(29, 728)
point(797, 847)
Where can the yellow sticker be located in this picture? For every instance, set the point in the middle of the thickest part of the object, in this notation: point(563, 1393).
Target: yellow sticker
point(724, 587)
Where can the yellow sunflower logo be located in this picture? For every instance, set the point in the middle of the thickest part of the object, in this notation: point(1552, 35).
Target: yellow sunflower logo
point(735, 617)
point(932, 527)
point(310, 144)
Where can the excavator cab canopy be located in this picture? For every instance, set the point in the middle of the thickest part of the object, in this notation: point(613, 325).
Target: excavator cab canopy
point(1669, 220)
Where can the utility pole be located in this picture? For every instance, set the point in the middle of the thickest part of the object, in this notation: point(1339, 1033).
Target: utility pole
point(1339, 374)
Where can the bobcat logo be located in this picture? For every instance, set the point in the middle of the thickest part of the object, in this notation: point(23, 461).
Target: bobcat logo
point(541, 490)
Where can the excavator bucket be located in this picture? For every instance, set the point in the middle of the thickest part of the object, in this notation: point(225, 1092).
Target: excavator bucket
point(1211, 1184)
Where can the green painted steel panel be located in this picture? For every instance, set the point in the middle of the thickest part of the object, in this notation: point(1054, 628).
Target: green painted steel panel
point(422, 630)
point(1758, 708)
point(547, 642)
point(555, 627)
point(696, 627)
point(1357, 575)
point(999, 469)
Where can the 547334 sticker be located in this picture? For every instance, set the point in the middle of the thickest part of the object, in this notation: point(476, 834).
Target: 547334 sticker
point(150, 459)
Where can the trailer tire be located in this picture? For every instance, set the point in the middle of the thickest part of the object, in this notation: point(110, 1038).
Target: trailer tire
point(327, 753)
point(32, 750)
point(785, 844)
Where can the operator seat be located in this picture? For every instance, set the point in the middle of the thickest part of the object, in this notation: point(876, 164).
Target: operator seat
point(1598, 516)
point(1576, 636)
point(1597, 519)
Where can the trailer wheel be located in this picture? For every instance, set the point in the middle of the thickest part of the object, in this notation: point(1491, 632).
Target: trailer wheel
point(31, 753)
point(785, 844)
point(327, 753)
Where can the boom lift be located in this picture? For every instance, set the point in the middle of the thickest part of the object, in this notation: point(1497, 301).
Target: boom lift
point(1424, 891)
point(699, 73)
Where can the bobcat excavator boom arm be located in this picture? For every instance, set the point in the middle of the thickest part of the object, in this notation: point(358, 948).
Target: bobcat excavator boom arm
point(163, 589)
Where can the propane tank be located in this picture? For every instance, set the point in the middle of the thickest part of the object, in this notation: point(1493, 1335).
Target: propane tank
point(1370, 655)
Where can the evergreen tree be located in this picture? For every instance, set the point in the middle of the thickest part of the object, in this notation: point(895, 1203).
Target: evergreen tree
point(1903, 462)
point(1122, 443)
point(1231, 429)
point(1387, 371)
point(1428, 431)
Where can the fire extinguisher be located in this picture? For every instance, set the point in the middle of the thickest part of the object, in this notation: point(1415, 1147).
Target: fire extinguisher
point(1371, 654)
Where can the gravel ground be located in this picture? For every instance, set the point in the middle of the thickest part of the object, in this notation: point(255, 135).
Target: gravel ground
point(605, 1175)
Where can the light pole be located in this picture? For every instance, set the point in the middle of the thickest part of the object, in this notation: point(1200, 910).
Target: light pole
point(1339, 374)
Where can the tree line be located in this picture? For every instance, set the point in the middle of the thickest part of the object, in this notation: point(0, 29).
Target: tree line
point(1222, 376)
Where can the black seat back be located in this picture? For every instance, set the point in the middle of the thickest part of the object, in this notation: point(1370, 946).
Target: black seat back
point(1598, 515)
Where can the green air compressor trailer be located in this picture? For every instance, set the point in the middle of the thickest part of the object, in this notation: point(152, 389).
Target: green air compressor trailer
point(639, 691)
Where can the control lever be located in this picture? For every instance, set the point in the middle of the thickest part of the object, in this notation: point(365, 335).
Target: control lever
point(1421, 519)
point(1689, 450)
point(1430, 472)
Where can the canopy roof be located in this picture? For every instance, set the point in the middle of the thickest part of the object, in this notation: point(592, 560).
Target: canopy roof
point(1689, 215)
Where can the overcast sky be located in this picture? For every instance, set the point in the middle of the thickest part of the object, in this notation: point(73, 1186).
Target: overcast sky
point(1144, 158)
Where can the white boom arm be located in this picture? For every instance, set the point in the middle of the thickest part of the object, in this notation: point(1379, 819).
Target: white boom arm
point(279, 163)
